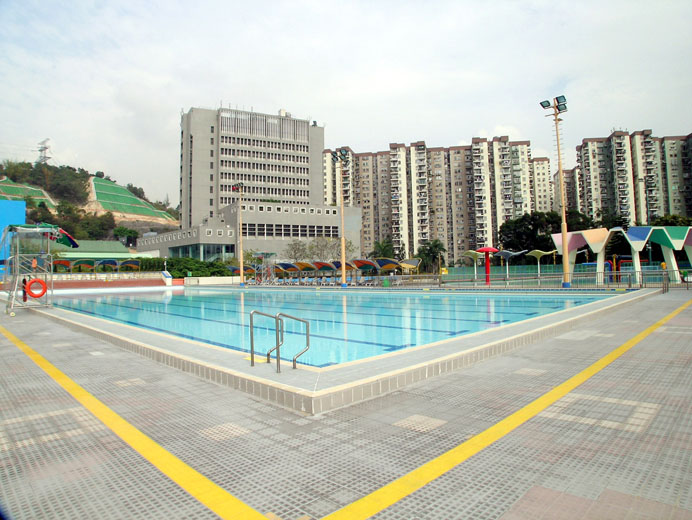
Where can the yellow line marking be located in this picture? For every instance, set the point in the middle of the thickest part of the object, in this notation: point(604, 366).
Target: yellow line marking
point(400, 488)
point(200, 487)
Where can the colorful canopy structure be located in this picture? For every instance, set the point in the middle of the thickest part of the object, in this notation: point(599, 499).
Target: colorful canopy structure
point(287, 267)
point(83, 262)
point(107, 262)
point(130, 264)
point(247, 269)
point(410, 263)
point(306, 266)
point(55, 233)
point(324, 266)
point(365, 265)
point(486, 251)
point(387, 264)
point(538, 254)
point(349, 265)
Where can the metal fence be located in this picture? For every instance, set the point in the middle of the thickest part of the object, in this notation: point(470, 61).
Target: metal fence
point(609, 280)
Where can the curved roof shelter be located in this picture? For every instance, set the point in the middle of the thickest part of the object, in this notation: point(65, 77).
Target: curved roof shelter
point(670, 238)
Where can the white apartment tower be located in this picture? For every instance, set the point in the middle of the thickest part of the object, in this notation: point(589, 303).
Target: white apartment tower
point(459, 195)
point(636, 176)
point(276, 157)
point(542, 183)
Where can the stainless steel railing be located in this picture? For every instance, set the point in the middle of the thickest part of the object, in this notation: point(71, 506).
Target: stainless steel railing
point(279, 327)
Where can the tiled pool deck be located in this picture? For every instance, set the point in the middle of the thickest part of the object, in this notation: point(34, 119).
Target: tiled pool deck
point(617, 446)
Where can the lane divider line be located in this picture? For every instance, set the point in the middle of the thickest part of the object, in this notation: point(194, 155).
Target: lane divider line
point(400, 488)
point(197, 485)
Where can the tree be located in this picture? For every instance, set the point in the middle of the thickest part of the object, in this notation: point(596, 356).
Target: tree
point(430, 254)
point(296, 250)
point(383, 249)
point(137, 192)
point(672, 220)
point(130, 235)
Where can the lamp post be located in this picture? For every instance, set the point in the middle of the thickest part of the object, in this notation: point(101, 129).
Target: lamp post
point(558, 106)
point(239, 188)
point(342, 157)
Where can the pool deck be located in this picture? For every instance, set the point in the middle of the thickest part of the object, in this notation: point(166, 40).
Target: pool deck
point(585, 413)
point(313, 390)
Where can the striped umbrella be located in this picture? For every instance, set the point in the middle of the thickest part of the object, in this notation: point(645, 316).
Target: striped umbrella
point(365, 265)
point(388, 264)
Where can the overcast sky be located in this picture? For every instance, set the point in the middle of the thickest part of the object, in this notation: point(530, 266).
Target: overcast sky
point(106, 81)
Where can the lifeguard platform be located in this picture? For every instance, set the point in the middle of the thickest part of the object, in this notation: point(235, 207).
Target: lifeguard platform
point(27, 267)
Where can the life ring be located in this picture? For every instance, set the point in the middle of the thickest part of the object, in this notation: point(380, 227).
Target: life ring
point(41, 283)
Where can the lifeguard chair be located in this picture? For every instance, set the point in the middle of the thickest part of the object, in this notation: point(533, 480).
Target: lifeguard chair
point(27, 263)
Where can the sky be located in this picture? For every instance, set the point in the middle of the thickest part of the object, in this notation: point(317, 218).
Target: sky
point(107, 82)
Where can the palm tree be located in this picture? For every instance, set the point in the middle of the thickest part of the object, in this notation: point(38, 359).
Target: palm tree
point(430, 253)
point(383, 249)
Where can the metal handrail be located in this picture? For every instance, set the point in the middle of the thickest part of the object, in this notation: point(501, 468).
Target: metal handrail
point(307, 334)
point(252, 339)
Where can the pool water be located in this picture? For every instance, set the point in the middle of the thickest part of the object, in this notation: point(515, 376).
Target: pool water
point(344, 325)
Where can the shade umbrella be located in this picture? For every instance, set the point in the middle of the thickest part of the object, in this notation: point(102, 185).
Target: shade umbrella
point(487, 250)
point(410, 263)
point(288, 267)
point(349, 265)
point(506, 254)
point(324, 266)
point(475, 256)
point(388, 264)
point(538, 254)
point(305, 266)
point(365, 265)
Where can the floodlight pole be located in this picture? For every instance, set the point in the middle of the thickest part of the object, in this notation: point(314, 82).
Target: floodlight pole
point(563, 228)
point(343, 234)
point(340, 157)
point(240, 232)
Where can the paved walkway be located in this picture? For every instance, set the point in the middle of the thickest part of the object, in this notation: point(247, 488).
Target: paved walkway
point(88, 430)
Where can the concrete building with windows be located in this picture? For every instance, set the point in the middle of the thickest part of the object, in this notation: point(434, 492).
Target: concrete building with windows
point(636, 176)
point(278, 161)
point(276, 157)
point(543, 193)
point(459, 195)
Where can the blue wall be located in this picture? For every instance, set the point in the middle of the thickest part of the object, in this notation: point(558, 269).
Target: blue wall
point(11, 212)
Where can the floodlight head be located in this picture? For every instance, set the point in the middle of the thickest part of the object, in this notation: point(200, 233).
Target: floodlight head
point(545, 104)
point(561, 100)
point(561, 107)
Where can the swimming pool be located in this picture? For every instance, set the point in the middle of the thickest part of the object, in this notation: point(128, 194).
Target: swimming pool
point(344, 325)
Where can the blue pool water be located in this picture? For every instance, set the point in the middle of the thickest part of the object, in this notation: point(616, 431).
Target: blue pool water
point(344, 325)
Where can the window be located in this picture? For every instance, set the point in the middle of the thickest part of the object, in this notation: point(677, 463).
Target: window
point(208, 232)
point(211, 202)
point(269, 209)
point(295, 210)
point(219, 232)
point(230, 232)
point(211, 165)
point(260, 208)
point(212, 129)
point(211, 153)
point(212, 139)
point(211, 189)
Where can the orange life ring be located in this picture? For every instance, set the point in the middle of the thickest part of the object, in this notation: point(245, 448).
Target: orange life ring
point(43, 290)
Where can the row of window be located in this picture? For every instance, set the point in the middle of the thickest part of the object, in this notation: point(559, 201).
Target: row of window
point(260, 143)
point(263, 155)
point(289, 231)
point(271, 179)
point(261, 167)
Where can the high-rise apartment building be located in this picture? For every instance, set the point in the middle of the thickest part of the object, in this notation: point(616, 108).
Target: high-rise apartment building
point(277, 158)
point(459, 195)
point(542, 182)
point(635, 176)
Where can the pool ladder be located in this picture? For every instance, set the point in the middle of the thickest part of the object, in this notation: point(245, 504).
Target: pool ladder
point(279, 327)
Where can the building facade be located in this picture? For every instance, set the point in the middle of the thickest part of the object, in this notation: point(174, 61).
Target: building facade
point(635, 176)
point(459, 195)
point(277, 158)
